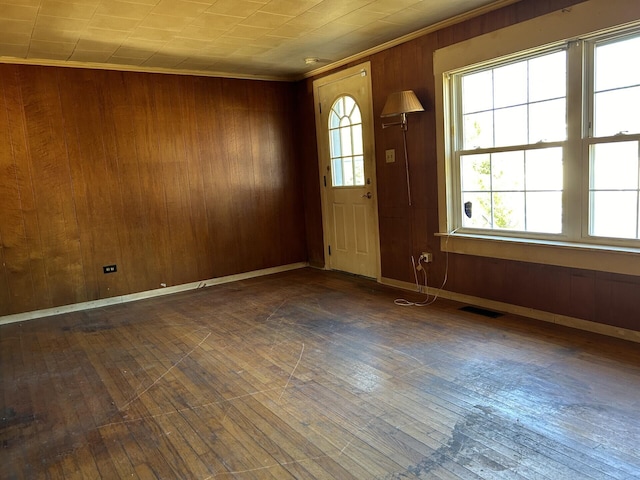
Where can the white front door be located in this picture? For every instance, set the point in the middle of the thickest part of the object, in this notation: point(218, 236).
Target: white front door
point(344, 125)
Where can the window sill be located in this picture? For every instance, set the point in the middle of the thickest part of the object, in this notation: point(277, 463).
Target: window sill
point(565, 254)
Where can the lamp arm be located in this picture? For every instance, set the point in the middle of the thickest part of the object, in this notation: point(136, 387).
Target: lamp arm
point(406, 162)
point(402, 122)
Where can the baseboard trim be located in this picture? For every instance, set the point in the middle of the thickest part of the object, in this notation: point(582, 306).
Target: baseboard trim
point(594, 327)
point(47, 312)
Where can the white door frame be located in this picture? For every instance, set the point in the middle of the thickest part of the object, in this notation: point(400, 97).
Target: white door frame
point(364, 69)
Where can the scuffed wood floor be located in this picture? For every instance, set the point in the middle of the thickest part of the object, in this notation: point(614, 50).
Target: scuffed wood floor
point(312, 374)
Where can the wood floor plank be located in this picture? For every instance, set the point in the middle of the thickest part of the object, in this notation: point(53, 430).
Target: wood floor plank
point(313, 375)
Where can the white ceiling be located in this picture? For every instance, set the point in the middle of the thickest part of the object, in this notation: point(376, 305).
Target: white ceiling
point(239, 38)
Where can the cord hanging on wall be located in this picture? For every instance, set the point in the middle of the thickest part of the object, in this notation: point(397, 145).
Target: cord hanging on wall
point(401, 103)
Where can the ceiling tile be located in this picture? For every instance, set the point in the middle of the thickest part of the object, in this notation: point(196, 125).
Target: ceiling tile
point(289, 7)
point(53, 8)
point(246, 32)
point(118, 8)
point(126, 61)
point(215, 20)
point(18, 12)
point(165, 22)
point(389, 7)
point(136, 52)
point(104, 35)
point(152, 34)
point(61, 23)
point(90, 56)
point(52, 50)
point(159, 60)
point(236, 8)
point(141, 2)
point(48, 34)
point(360, 18)
point(10, 50)
point(15, 26)
point(339, 8)
point(27, 3)
point(288, 31)
point(13, 38)
point(179, 8)
point(94, 45)
point(113, 23)
point(198, 32)
point(265, 20)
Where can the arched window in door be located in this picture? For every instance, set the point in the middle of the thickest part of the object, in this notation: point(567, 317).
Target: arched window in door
point(346, 145)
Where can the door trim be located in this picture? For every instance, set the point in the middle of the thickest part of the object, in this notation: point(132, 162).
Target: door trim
point(317, 84)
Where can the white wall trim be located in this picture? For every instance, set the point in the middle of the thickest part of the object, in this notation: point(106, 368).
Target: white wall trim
point(47, 312)
point(594, 327)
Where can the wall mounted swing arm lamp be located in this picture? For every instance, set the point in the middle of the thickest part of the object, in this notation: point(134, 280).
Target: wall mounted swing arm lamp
point(401, 103)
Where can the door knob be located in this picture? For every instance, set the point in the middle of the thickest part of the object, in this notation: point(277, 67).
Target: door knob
point(367, 195)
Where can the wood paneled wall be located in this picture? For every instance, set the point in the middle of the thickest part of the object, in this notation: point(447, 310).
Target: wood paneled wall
point(175, 179)
point(405, 231)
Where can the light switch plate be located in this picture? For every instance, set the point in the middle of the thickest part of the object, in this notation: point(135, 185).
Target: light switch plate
point(390, 155)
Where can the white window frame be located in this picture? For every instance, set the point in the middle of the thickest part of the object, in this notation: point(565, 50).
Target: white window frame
point(573, 248)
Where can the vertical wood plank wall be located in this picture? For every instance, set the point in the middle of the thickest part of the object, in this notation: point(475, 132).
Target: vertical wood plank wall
point(173, 178)
point(404, 231)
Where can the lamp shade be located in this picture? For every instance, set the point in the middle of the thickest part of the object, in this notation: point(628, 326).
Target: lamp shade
point(401, 102)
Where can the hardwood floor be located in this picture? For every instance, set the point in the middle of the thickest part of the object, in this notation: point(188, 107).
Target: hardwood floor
point(311, 374)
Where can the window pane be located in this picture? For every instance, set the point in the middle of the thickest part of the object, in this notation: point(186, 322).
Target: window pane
point(478, 130)
point(334, 141)
point(345, 141)
point(617, 111)
point(511, 126)
point(338, 107)
point(614, 166)
point(349, 105)
point(358, 166)
point(544, 212)
point(508, 210)
point(334, 120)
point(480, 205)
point(543, 169)
point(355, 116)
point(614, 214)
point(476, 172)
point(477, 91)
point(347, 170)
point(510, 85)
point(358, 148)
point(336, 167)
point(548, 77)
point(507, 171)
point(548, 121)
point(616, 65)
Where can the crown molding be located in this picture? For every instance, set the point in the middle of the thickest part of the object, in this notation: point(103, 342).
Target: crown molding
point(141, 69)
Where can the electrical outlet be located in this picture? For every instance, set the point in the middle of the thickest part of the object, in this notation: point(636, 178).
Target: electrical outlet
point(427, 257)
point(390, 155)
point(109, 269)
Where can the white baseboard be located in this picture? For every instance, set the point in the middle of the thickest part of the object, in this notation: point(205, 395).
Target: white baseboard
point(609, 330)
point(47, 312)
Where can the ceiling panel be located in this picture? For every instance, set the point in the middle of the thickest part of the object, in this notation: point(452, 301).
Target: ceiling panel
point(254, 38)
